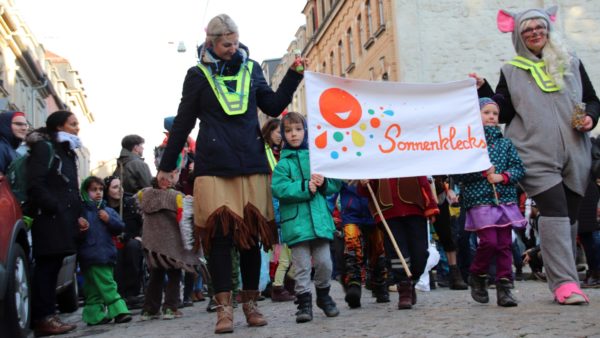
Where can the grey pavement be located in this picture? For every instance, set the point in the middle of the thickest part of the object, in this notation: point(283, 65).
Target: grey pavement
point(438, 313)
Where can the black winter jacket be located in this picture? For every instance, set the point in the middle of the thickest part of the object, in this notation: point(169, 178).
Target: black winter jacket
point(55, 194)
point(226, 145)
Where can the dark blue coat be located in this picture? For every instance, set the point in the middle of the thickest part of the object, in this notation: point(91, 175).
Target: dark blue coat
point(8, 142)
point(226, 145)
point(354, 207)
point(97, 247)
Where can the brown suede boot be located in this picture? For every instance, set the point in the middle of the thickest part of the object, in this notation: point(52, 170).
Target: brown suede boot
point(405, 295)
point(280, 294)
point(253, 315)
point(224, 313)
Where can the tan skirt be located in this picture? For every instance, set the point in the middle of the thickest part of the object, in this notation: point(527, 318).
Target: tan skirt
point(242, 204)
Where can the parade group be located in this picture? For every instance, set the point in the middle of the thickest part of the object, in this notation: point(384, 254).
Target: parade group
point(240, 188)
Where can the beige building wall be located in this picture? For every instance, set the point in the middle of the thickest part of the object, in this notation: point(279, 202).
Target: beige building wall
point(444, 40)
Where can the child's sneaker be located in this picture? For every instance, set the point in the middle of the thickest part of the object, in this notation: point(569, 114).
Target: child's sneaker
point(170, 314)
point(149, 316)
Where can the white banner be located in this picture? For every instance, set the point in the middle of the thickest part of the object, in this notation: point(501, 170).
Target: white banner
point(364, 129)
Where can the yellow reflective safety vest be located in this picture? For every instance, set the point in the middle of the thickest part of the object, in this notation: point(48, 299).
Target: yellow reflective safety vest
point(542, 79)
point(232, 102)
point(270, 156)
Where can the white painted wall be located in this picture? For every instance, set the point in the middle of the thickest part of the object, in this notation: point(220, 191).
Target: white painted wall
point(444, 40)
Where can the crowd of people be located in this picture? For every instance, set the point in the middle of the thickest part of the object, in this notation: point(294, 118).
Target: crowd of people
point(238, 189)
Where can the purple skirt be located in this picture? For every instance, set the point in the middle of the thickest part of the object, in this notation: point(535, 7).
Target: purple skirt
point(486, 216)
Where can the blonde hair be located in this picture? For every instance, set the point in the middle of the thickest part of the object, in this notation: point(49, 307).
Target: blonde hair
point(219, 26)
point(554, 54)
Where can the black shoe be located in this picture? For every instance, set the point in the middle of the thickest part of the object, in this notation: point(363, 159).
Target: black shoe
point(455, 279)
point(479, 288)
point(188, 302)
point(326, 303)
point(212, 305)
point(304, 313)
point(123, 318)
point(104, 320)
point(134, 302)
point(353, 292)
point(505, 297)
point(381, 294)
point(519, 274)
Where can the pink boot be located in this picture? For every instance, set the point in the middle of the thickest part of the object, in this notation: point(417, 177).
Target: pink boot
point(570, 294)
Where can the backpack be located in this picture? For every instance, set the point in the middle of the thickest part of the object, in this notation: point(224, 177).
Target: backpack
point(17, 174)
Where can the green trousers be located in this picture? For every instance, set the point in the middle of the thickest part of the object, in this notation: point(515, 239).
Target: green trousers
point(101, 297)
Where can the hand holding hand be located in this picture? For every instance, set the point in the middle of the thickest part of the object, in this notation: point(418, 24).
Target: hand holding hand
point(312, 187)
point(83, 224)
point(167, 179)
point(317, 179)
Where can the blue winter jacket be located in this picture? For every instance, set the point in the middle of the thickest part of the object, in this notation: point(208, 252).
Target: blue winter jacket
point(354, 207)
point(97, 247)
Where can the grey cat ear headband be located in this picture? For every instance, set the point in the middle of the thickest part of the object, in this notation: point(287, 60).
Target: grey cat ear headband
point(506, 20)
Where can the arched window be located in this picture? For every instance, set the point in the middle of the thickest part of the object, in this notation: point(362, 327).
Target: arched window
point(332, 62)
point(350, 45)
point(359, 37)
point(369, 18)
point(381, 14)
point(342, 57)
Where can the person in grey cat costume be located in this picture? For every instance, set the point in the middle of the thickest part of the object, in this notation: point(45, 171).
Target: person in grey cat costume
point(549, 105)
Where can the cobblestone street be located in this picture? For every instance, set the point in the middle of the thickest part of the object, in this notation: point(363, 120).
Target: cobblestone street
point(439, 313)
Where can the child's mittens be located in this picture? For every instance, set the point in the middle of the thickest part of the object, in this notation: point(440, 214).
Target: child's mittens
point(186, 223)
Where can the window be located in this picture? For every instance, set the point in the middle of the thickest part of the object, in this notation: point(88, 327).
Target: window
point(371, 74)
point(313, 17)
point(324, 68)
point(331, 62)
point(321, 10)
point(360, 34)
point(342, 57)
point(382, 65)
point(350, 45)
point(369, 18)
point(381, 14)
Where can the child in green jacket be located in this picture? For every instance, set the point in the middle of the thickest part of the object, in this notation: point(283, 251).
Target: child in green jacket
point(306, 223)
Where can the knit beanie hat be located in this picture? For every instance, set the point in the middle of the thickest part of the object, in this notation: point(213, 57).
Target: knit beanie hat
point(484, 101)
point(17, 113)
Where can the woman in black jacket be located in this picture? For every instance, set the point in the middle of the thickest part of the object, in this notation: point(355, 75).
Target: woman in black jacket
point(232, 193)
point(54, 192)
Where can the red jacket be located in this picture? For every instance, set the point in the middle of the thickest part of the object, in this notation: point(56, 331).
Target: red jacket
point(399, 197)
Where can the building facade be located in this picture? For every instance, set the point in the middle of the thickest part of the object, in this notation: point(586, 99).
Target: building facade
point(427, 40)
point(38, 82)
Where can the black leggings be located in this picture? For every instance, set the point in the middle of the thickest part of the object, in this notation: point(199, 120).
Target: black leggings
point(219, 263)
point(558, 201)
point(442, 228)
